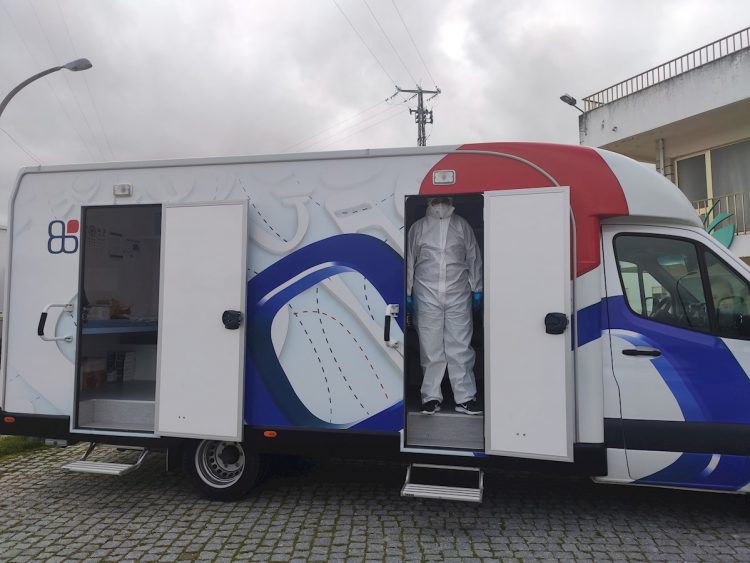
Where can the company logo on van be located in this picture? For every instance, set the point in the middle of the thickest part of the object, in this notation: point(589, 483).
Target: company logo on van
point(63, 237)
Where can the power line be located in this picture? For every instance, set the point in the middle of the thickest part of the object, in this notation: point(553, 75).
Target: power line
point(361, 130)
point(364, 43)
point(403, 64)
point(414, 43)
point(334, 135)
point(46, 81)
point(67, 80)
point(333, 126)
point(20, 146)
point(86, 82)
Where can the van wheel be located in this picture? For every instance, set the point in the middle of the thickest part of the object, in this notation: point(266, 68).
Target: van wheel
point(222, 470)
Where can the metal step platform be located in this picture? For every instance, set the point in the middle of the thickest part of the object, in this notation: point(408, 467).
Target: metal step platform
point(84, 465)
point(444, 492)
point(445, 429)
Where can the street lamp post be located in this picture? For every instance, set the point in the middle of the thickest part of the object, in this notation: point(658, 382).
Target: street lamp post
point(75, 66)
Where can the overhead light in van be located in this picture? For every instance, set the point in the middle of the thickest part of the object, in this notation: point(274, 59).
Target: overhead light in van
point(443, 177)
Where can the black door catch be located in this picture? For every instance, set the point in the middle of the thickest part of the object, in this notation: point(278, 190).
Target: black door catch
point(555, 323)
point(232, 319)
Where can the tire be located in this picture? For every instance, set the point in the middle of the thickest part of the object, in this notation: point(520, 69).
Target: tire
point(221, 470)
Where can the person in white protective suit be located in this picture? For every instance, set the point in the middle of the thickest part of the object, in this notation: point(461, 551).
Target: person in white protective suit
point(443, 284)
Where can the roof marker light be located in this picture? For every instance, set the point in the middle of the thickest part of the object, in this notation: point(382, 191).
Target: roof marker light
point(444, 177)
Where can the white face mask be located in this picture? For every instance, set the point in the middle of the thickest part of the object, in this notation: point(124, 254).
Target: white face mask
point(442, 210)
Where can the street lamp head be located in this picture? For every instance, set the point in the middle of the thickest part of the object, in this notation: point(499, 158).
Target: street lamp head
point(568, 99)
point(571, 101)
point(78, 64)
point(75, 66)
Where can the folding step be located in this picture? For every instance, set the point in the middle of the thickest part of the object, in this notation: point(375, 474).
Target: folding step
point(443, 492)
point(105, 467)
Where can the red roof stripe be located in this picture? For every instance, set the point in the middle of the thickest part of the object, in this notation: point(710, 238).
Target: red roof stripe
point(595, 192)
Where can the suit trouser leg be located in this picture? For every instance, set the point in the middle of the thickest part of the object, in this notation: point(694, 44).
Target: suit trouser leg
point(458, 351)
point(430, 327)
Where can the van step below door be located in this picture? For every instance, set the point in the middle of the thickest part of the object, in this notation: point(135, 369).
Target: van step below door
point(459, 483)
point(446, 429)
point(84, 465)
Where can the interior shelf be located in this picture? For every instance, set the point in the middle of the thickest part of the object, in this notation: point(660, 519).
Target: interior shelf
point(119, 326)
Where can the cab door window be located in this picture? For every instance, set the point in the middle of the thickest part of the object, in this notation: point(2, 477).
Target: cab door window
point(662, 280)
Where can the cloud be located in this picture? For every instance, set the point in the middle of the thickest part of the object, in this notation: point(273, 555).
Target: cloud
point(199, 78)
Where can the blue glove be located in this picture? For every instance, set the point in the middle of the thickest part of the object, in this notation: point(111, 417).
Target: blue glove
point(410, 304)
point(476, 301)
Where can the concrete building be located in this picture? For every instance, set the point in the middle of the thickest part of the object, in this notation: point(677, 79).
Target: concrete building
point(690, 117)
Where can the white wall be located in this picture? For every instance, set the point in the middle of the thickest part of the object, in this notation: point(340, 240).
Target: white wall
point(741, 246)
point(721, 83)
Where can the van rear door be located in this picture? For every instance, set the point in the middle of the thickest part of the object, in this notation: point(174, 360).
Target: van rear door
point(529, 399)
point(202, 326)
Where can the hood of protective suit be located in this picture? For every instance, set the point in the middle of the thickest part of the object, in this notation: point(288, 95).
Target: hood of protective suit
point(440, 211)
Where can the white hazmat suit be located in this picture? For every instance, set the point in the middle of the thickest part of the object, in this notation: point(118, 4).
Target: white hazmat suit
point(443, 268)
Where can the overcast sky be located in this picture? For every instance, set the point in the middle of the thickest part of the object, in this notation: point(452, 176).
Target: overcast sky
point(213, 77)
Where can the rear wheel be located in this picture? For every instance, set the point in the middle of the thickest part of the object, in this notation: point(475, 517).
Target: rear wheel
point(222, 470)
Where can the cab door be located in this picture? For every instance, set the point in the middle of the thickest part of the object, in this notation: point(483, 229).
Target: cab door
point(677, 305)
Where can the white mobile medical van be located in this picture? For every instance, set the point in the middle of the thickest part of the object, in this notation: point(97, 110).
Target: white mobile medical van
point(226, 309)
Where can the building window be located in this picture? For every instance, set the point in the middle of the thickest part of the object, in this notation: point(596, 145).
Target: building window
point(691, 177)
point(730, 169)
point(718, 180)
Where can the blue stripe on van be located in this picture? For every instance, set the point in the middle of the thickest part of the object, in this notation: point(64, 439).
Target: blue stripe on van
point(729, 473)
point(590, 323)
point(706, 379)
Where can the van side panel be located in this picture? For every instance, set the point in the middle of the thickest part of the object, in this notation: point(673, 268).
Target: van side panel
point(342, 219)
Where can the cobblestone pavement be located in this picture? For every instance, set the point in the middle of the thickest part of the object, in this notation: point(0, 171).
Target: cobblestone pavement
point(352, 511)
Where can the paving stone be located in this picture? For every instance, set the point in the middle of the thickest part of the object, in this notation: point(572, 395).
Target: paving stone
point(351, 511)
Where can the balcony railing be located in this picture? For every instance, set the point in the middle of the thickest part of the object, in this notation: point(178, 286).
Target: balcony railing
point(737, 204)
point(701, 56)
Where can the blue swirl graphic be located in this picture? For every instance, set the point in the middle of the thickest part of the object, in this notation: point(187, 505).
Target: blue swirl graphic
point(270, 399)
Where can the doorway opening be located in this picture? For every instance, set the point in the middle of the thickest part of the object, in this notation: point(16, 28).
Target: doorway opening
point(446, 428)
point(118, 318)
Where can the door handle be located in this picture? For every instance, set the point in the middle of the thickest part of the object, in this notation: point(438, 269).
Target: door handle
point(642, 351)
point(67, 308)
point(391, 311)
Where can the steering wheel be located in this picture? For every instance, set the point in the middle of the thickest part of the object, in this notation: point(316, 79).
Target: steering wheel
point(662, 308)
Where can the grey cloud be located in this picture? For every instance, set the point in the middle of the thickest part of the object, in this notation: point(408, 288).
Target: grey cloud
point(198, 78)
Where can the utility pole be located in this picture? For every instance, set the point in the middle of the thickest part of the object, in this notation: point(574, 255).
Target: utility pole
point(422, 116)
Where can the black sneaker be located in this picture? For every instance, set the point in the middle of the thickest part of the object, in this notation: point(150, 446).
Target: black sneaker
point(430, 407)
point(469, 407)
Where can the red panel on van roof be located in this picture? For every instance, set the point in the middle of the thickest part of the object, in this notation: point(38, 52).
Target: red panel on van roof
point(594, 190)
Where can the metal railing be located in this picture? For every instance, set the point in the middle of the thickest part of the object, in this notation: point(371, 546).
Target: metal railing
point(736, 204)
point(701, 56)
